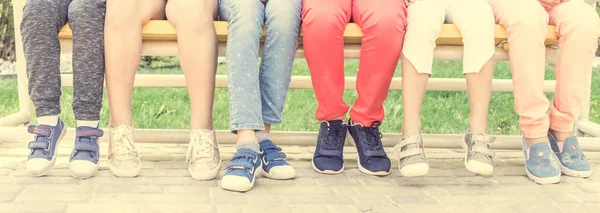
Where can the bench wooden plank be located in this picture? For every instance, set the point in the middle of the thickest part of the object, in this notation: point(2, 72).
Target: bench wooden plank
point(161, 30)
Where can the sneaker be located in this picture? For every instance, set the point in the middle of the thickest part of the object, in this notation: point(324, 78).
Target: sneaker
point(43, 148)
point(572, 160)
point(204, 160)
point(329, 153)
point(241, 171)
point(85, 156)
point(274, 165)
point(123, 159)
point(541, 164)
point(478, 156)
point(412, 160)
point(372, 159)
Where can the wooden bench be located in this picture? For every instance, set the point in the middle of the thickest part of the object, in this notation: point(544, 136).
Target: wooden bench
point(159, 39)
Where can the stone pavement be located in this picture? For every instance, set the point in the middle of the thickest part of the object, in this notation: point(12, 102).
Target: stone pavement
point(165, 186)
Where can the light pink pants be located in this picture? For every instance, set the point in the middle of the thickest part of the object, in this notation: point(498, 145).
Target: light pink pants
point(526, 23)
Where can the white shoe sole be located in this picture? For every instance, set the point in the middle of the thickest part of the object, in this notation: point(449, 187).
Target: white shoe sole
point(575, 173)
point(281, 175)
point(414, 170)
point(543, 181)
point(53, 161)
point(366, 171)
point(84, 176)
point(125, 173)
point(242, 188)
point(476, 167)
point(326, 172)
point(203, 175)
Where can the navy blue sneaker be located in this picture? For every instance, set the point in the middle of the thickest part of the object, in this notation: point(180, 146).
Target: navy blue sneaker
point(86, 153)
point(372, 159)
point(43, 149)
point(241, 171)
point(273, 162)
point(328, 157)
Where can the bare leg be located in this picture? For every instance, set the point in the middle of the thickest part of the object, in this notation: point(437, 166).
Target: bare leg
point(479, 89)
point(413, 90)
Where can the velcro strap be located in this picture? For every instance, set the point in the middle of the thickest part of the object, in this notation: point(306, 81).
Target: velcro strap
point(90, 133)
point(481, 150)
point(404, 143)
point(268, 145)
point(38, 145)
point(410, 152)
point(41, 130)
point(245, 153)
point(81, 146)
point(240, 164)
point(275, 156)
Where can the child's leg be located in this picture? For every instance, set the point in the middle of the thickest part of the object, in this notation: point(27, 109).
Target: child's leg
point(123, 47)
point(196, 41)
point(475, 20)
point(283, 27)
point(123, 27)
point(246, 20)
point(42, 21)
point(86, 19)
point(578, 31)
point(197, 45)
point(323, 24)
point(425, 19)
point(526, 23)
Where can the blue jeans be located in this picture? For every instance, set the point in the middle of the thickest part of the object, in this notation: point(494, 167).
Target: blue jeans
point(257, 95)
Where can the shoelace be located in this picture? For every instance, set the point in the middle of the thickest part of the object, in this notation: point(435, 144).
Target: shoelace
point(332, 141)
point(124, 142)
point(373, 136)
point(200, 147)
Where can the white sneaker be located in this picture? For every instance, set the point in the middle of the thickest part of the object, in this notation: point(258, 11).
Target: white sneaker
point(204, 160)
point(412, 160)
point(478, 156)
point(123, 159)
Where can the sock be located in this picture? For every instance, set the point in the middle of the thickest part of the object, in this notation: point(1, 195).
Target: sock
point(560, 146)
point(251, 145)
point(93, 124)
point(261, 136)
point(48, 120)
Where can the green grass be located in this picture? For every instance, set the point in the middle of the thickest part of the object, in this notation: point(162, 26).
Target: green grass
point(443, 112)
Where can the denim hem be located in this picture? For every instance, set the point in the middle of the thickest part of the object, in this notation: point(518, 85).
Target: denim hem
point(271, 122)
point(235, 127)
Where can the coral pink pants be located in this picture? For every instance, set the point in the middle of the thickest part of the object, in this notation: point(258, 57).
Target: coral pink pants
point(526, 22)
point(324, 21)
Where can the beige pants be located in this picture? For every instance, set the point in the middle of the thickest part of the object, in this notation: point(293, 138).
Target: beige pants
point(474, 19)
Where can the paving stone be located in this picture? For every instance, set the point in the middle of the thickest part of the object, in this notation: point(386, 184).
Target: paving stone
point(182, 181)
point(253, 208)
point(411, 199)
point(57, 188)
point(164, 173)
point(474, 190)
point(317, 199)
point(365, 190)
point(298, 190)
point(41, 208)
point(305, 181)
point(264, 199)
point(47, 180)
point(238, 199)
point(174, 198)
point(456, 208)
point(386, 208)
point(427, 181)
point(8, 197)
point(187, 208)
point(52, 197)
point(8, 207)
point(115, 181)
point(435, 191)
point(5, 172)
point(310, 208)
point(590, 188)
point(570, 197)
point(373, 199)
point(342, 209)
point(267, 181)
point(186, 189)
point(103, 208)
point(115, 198)
point(133, 189)
point(344, 190)
point(230, 208)
point(376, 181)
point(591, 208)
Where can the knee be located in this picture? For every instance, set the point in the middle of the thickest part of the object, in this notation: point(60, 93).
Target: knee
point(283, 17)
point(320, 17)
point(121, 15)
point(583, 24)
point(86, 11)
point(531, 20)
point(194, 15)
point(36, 14)
point(390, 21)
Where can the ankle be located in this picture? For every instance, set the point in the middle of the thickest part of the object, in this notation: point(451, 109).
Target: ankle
point(533, 141)
point(561, 136)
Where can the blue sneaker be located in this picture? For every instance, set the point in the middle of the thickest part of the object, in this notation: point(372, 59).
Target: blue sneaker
point(241, 171)
point(572, 160)
point(541, 163)
point(43, 149)
point(372, 158)
point(329, 153)
point(274, 165)
point(86, 153)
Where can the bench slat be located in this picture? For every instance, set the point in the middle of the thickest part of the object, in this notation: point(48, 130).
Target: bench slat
point(161, 30)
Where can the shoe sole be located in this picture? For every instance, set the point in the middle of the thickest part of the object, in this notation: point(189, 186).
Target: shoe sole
point(326, 172)
point(125, 173)
point(575, 173)
point(474, 167)
point(245, 189)
point(88, 176)
point(421, 169)
point(277, 177)
point(210, 175)
point(543, 181)
point(53, 161)
point(366, 171)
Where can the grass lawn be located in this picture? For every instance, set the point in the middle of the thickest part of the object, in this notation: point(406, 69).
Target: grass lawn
point(443, 112)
